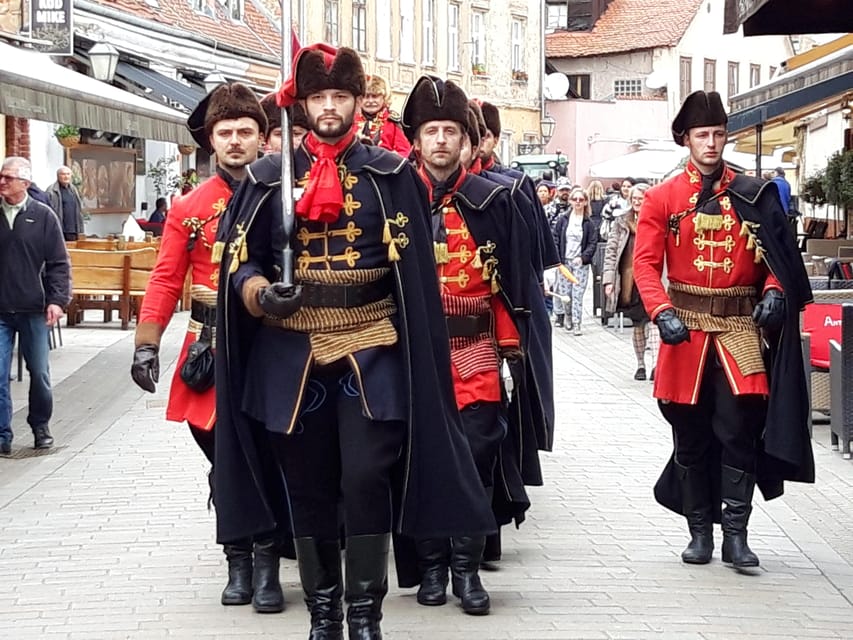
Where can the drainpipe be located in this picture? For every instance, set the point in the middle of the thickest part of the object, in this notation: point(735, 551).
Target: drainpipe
point(758, 129)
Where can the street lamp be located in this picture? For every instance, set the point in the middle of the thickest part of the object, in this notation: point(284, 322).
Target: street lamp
point(213, 80)
point(103, 57)
point(546, 128)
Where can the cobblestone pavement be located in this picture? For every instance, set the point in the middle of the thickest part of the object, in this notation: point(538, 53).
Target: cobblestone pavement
point(108, 537)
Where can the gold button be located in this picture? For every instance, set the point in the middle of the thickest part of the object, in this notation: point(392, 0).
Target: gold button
point(443, 279)
point(445, 209)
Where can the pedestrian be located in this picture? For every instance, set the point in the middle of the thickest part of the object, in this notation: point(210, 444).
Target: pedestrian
point(730, 376)
point(620, 288)
point(377, 123)
point(298, 124)
point(576, 240)
point(35, 280)
point(560, 204)
point(160, 211)
point(784, 188)
point(545, 193)
point(616, 205)
point(482, 263)
point(227, 123)
point(66, 202)
point(597, 200)
point(346, 372)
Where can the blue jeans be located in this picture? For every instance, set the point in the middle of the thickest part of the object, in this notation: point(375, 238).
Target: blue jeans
point(33, 342)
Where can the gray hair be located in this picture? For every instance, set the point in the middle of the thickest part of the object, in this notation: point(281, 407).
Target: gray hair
point(21, 165)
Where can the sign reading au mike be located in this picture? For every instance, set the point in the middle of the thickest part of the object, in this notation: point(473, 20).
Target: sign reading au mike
point(51, 22)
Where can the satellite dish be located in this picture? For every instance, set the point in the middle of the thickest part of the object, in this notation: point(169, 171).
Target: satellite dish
point(556, 86)
point(656, 80)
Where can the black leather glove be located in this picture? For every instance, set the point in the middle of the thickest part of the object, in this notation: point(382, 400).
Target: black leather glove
point(672, 329)
point(512, 354)
point(145, 369)
point(769, 314)
point(280, 300)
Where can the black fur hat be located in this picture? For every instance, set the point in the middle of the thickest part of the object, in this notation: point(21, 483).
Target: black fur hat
point(272, 111)
point(473, 127)
point(225, 102)
point(318, 70)
point(433, 99)
point(700, 109)
point(298, 118)
point(492, 118)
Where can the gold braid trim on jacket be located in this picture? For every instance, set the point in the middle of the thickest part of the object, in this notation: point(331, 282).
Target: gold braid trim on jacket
point(336, 333)
point(737, 334)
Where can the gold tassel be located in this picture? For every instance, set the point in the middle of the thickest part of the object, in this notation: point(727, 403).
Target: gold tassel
point(744, 230)
point(495, 286)
point(244, 251)
point(386, 232)
point(759, 254)
point(750, 242)
point(235, 264)
point(442, 256)
point(707, 222)
point(216, 252)
point(476, 263)
point(393, 254)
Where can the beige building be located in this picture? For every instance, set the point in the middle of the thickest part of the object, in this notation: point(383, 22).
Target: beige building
point(491, 48)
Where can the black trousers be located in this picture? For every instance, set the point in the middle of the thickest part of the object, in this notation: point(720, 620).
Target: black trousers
point(338, 457)
point(485, 431)
point(735, 421)
point(204, 440)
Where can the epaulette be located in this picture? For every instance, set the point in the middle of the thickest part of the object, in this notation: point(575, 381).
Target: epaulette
point(394, 117)
point(748, 188)
point(266, 170)
point(478, 192)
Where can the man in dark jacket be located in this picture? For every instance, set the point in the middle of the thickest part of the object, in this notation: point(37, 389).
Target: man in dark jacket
point(34, 289)
point(67, 204)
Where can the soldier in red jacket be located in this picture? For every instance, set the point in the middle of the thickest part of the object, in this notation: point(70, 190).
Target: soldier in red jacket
point(230, 123)
point(377, 122)
point(729, 377)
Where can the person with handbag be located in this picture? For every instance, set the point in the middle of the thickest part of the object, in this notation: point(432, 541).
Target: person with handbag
point(229, 122)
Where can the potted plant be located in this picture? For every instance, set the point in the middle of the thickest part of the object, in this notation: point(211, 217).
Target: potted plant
point(186, 149)
point(519, 75)
point(68, 135)
point(166, 180)
point(478, 69)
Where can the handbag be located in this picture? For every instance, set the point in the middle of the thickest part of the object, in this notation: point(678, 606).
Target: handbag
point(198, 370)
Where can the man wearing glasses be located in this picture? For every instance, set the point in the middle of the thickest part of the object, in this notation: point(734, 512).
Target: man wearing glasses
point(34, 288)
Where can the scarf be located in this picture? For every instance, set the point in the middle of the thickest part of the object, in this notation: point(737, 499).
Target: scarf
point(323, 197)
point(488, 164)
point(476, 167)
point(707, 202)
point(440, 194)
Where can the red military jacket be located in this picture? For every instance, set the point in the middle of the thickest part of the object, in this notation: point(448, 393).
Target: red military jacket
point(198, 211)
point(384, 130)
point(710, 259)
point(466, 284)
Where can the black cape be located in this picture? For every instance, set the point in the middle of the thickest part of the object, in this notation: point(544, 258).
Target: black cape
point(439, 493)
point(786, 447)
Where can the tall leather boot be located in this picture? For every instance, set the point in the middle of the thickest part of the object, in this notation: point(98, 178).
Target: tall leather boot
point(268, 597)
point(433, 563)
point(736, 492)
point(320, 574)
point(366, 584)
point(239, 587)
point(464, 568)
point(696, 504)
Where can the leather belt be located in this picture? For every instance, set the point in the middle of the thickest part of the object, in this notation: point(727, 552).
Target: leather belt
point(345, 296)
point(203, 313)
point(468, 326)
point(720, 306)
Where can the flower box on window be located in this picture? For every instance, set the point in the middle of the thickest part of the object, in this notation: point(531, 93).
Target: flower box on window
point(519, 76)
point(479, 69)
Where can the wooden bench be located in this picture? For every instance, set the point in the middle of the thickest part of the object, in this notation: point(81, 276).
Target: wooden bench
point(110, 281)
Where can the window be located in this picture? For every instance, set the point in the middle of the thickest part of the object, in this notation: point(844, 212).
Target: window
point(558, 16)
point(478, 41)
point(235, 9)
point(453, 37)
point(517, 39)
point(685, 77)
point(407, 31)
point(198, 5)
point(383, 36)
point(330, 22)
point(772, 73)
point(710, 75)
point(579, 86)
point(754, 75)
point(359, 25)
point(580, 15)
point(428, 20)
point(300, 19)
point(628, 88)
point(734, 74)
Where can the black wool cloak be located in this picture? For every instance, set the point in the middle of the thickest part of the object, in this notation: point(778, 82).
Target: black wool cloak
point(439, 493)
point(785, 447)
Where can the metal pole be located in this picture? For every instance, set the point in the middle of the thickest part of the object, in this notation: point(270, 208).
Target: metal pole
point(758, 129)
point(287, 213)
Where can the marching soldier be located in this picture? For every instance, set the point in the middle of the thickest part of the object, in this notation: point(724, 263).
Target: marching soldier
point(348, 371)
point(230, 123)
point(730, 377)
point(377, 123)
point(298, 124)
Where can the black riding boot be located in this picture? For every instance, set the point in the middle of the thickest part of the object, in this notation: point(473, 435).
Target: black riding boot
point(268, 597)
point(239, 587)
point(736, 492)
point(433, 563)
point(320, 574)
point(366, 584)
point(464, 567)
point(696, 504)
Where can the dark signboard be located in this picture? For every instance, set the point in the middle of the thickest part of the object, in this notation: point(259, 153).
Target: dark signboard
point(51, 23)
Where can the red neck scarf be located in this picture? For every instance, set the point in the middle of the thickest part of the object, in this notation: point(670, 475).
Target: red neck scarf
point(323, 197)
point(488, 164)
point(476, 167)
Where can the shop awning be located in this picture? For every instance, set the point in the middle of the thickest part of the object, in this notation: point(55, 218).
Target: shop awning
point(161, 89)
point(645, 164)
point(35, 87)
point(787, 17)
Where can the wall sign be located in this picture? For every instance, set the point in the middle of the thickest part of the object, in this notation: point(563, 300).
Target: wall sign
point(52, 22)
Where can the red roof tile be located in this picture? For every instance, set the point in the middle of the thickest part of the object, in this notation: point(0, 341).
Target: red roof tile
point(627, 25)
point(256, 34)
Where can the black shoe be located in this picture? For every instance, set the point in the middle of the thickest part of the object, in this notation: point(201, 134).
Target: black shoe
point(320, 574)
point(736, 492)
point(652, 377)
point(464, 567)
point(366, 584)
point(239, 588)
point(267, 597)
point(43, 439)
point(696, 505)
point(560, 320)
point(5, 447)
point(433, 563)
point(640, 374)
